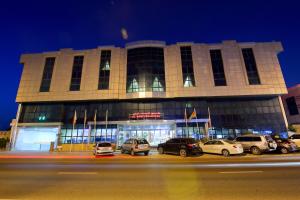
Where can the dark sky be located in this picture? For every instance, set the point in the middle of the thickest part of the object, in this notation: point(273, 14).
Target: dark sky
point(37, 26)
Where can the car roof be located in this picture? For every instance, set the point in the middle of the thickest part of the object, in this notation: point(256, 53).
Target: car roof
point(250, 135)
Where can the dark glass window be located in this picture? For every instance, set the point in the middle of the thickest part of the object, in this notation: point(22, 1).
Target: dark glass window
point(292, 106)
point(145, 70)
point(218, 67)
point(76, 73)
point(251, 68)
point(187, 66)
point(47, 74)
point(104, 71)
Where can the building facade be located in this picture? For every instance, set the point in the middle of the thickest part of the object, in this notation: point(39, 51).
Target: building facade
point(145, 90)
point(291, 103)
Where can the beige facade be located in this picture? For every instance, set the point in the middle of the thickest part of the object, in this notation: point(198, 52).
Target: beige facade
point(272, 81)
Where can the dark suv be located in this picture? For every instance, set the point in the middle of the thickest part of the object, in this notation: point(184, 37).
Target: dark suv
point(181, 146)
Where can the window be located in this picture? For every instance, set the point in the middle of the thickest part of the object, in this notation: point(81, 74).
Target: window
point(217, 67)
point(47, 74)
point(251, 68)
point(187, 66)
point(104, 71)
point(219, 143)
point(104, 144)
point(76, 73)
point(296, 136)
point(145, 70)
point(244, 139)
point(256, 139)
point(142, 141)
point(292, 106)
point(209, 143)
point(157, 86)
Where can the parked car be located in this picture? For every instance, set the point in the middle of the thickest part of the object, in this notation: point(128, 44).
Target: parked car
point(224, 147)
point(181, 146)
point(103, 148)
point(285, 145)
point(134, 146)
point(256, 144)
point(295, 138)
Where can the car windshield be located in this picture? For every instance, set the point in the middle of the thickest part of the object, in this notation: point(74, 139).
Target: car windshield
point(142, 141)
point(104, 144)
point(229, 141)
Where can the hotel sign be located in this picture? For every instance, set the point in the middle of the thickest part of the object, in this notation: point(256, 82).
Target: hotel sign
point(146, 115)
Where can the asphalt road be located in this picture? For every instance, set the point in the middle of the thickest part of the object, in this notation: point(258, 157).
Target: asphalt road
point(148, 178)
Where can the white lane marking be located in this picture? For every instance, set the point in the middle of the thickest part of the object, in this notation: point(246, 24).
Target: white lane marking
point(77, 173)
point(241, 172)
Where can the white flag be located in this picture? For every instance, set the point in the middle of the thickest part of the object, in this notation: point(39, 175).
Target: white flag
point(84, 120)
point(74, 118)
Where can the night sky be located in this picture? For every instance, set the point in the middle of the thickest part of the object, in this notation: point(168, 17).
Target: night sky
point(38, 26)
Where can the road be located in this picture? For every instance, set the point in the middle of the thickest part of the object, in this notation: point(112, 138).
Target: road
point(140, 178)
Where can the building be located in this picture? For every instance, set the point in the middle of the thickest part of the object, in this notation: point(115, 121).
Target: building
point(291, 103)
point(145, 89)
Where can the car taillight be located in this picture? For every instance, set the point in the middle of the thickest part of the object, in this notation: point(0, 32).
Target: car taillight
point(190, 145)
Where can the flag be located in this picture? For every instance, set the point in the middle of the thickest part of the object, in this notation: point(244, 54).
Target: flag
point(193, 115)
point(95, 117)
point(84, 120)
point(74, 118)
point(185, 116)
point(209, 119)
point(106, 116)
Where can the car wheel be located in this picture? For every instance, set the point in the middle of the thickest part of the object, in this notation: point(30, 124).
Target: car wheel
point(255, 151)
point(132, 152)
point(161, 150)
point(284, 150)
point(225, 153)
point(146, 153)
point(182, 153)
point(122, 151)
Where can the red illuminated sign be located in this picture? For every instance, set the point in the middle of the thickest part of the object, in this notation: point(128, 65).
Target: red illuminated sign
point(146, 115)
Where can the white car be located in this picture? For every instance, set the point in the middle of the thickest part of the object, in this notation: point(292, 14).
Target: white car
point(103, 148)
point(224, 147)
point(296, 138)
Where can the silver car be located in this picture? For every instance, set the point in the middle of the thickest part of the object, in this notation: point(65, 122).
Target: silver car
point(103, 148)
point(256, 144)
point(136, 146)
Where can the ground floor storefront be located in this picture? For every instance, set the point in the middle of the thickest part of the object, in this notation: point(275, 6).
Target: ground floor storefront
point(42, 126)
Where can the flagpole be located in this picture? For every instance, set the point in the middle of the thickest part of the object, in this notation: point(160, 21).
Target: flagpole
point(197, 121)
point(106, 124)
point(95, 121)
point(74, 122)
point(84, 121)
point(209, 122)
point(186, 122)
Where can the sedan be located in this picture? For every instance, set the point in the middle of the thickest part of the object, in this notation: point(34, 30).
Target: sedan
point(285, 145)
point(224, 147)
point(103, 148)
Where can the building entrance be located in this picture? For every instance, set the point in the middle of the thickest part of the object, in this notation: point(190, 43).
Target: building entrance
point(154, 132)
